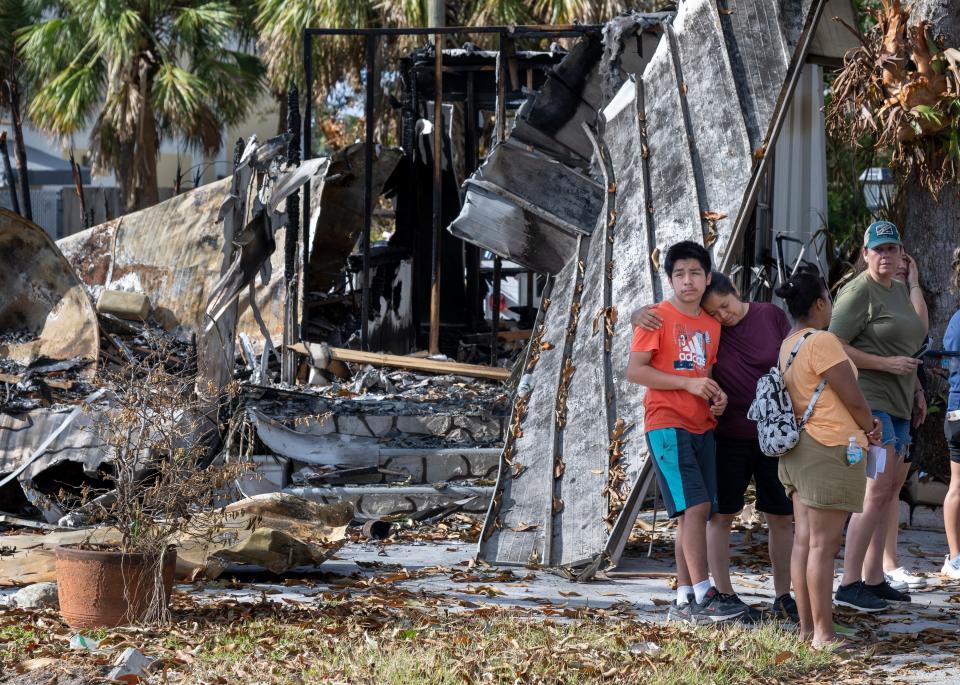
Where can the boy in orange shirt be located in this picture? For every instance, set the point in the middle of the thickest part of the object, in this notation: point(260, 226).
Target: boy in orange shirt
point(681, 406)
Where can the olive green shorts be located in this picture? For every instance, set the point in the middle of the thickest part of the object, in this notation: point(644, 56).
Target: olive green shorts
point(821, 476)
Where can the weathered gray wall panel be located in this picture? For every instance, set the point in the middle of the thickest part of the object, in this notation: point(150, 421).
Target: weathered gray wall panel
point(759, 58)
point(632, 284)
point(579, 529)
point(717, 129)
point(673, 186)
point(525, 507)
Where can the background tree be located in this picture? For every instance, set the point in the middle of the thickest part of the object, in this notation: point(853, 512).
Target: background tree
point(932, 229)
point(15, 15)
point(142, 71)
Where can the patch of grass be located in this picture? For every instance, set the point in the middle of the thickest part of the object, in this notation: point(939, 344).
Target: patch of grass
point(390, 637)
point(466, 650)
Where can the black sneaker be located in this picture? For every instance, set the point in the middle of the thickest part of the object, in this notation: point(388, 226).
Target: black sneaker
point(785, 608)
point(857, 596)
point(680, 612)
point(750, 615)
point(885, 591)
point(716, 608)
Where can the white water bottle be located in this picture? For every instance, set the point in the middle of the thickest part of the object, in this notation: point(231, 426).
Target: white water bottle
point(854, 451)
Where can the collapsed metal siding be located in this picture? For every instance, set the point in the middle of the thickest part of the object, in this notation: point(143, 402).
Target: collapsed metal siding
point(684, 140)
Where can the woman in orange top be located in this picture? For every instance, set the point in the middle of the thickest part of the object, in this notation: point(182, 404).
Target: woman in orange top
point(816, 474)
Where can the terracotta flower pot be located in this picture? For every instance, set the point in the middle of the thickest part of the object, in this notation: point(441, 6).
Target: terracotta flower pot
point(100, 588)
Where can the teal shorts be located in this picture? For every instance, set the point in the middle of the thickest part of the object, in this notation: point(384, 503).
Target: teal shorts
point(686, 468)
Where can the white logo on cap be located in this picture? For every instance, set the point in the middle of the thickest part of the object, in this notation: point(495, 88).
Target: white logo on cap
point(886, 229)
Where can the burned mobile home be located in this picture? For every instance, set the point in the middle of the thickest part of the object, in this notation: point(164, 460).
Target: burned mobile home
point(552, 177)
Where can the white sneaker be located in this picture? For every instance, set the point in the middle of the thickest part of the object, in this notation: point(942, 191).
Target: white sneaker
point(951, 567)
point(901, 579)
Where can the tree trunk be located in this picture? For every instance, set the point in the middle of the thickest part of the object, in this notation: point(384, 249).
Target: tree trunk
point(147, 147)
point(8, 173)
point(931, 234)
point(19, 148)
point(125, 176)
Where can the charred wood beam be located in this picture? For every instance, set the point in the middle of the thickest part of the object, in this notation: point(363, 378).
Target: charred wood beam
point(435, 266)
point(291, 241)
point(369, 113)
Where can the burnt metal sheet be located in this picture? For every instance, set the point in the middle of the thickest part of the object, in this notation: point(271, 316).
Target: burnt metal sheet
point(44, 310)
point(323, 450)
point(521, 204)
point(337, 218)
point(494, 222)
point(564, 195)
point(172, 252)
point(181, 271)
point(519, 184)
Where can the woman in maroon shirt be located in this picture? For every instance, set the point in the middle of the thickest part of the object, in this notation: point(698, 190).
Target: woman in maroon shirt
point(749, 346)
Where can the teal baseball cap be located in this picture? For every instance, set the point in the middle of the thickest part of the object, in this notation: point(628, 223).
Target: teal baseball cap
point(881, 233)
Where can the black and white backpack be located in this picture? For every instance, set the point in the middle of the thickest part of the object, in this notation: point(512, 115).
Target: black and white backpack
point(777, 426)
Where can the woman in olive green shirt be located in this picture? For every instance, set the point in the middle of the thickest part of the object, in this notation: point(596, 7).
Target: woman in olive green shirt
point(876, 319)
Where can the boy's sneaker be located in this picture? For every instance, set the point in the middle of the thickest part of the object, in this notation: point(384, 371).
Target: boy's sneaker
point(785, 607)
point(716, 608)
point(680, 612)
point(951, 567)
point(857, 596)
point(884, 591)
point(750, 615)
point(901, 579)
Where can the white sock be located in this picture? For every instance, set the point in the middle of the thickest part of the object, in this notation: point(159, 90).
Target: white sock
point(683, 591)
point(700, 589)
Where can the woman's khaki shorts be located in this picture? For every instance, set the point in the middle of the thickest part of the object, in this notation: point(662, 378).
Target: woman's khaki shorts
point(821, 476)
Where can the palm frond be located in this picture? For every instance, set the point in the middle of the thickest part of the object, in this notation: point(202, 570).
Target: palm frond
point(65, 103)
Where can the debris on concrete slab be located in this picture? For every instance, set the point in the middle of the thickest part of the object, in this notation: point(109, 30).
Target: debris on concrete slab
point(274, 531)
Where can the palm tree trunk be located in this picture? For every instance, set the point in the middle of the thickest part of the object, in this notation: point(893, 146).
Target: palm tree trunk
point(147, 147)
point(19, 148)
point(125, 176)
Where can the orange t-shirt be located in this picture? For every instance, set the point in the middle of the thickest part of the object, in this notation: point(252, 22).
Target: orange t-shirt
point(684, 346)
point(830, 423)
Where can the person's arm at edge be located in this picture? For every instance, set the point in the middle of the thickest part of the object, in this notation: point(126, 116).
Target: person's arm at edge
point(874, 362)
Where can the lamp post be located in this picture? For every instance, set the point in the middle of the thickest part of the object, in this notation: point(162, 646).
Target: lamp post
point(879, 189)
